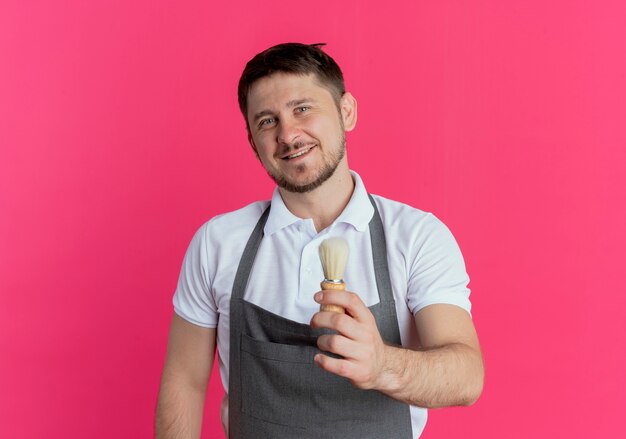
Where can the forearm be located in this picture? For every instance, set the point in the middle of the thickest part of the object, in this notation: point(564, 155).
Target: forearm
point(184, 382)
point(179, 410)
point(439, 377)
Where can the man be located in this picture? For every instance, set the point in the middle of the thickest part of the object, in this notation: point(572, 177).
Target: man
point(249, 282)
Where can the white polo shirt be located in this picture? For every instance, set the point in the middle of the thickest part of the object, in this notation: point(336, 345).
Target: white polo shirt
point(425, 266)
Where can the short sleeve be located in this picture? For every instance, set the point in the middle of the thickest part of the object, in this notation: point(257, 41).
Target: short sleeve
point(193, 299)
point(437, 273)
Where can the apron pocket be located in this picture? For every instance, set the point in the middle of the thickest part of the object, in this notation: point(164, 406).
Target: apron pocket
point(275, 381)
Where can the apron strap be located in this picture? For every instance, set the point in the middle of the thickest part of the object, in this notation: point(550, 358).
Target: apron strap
point(247, 259)
point(379, 253)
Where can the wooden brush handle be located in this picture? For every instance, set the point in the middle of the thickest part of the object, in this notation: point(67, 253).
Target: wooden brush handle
point(332, 286)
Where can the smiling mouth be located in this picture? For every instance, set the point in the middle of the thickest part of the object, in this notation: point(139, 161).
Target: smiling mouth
point(297, 154)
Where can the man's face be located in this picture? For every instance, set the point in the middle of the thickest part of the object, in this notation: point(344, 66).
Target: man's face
point(297, 129)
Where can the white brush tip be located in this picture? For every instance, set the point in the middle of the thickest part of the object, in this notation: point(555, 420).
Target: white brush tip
point(334, 255)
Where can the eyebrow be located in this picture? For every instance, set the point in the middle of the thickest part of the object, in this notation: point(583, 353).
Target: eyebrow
point(291, 104)
point(296, 102)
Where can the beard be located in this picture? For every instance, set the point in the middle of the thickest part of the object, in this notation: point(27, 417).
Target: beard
point(327, 170)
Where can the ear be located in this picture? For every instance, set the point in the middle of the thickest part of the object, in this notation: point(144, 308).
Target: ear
point(251, 141)
point(348, 107)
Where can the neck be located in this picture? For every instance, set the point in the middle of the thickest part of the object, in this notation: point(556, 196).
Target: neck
point(325, 203)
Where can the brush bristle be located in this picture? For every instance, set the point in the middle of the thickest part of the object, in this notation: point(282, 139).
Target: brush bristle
point(334, 255)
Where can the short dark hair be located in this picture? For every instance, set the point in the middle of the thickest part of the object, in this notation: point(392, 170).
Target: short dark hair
point(296, 58)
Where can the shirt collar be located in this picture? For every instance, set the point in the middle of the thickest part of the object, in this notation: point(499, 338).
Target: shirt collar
point(279, 217)
point(357, 213)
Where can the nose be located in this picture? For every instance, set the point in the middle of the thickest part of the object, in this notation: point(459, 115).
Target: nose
point(288, 131)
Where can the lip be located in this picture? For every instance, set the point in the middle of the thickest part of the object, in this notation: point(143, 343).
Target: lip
point(300, 152)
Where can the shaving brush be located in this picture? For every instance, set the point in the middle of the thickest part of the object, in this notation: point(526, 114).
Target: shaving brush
point(333, 255)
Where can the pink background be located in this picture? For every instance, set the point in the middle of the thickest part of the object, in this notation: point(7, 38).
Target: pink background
point(120, 135)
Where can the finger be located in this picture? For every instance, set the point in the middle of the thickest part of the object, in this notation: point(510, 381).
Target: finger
point(339, 345)
point(342, 323)
point(350, 301)
point(343, 368)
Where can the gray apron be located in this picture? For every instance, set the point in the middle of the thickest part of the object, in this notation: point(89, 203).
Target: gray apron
point(275, 388)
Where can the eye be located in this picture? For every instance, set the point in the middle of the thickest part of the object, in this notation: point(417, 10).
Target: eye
point(302, 109)
point(266, 122)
